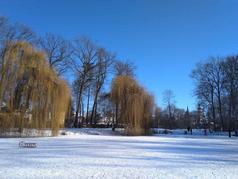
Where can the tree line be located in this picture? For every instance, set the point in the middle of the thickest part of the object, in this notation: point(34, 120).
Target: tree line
point(35, 72)
point(216, 89)
point(126, 104)
point(173, 117)
point(50, 82)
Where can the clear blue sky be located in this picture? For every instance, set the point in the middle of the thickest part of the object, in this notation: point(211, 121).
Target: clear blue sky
point(164, 38)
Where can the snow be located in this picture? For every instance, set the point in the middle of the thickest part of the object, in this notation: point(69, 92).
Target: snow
point(103, 156)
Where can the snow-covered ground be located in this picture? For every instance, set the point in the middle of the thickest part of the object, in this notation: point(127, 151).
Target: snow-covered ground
point(98, 156)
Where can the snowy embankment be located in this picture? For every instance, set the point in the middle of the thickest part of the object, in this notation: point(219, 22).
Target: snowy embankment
point(91, 131)
point(26, 133)
point(195, 132)
point(96, 156)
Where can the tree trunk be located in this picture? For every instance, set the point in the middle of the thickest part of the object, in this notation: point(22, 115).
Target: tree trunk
point(220, 109)
point(87, 112)
point(93, 115)
point(213, 106)
point(170, 117)
point(116, 116)
point(78, 107)
point(82, 112)
point(76, 115)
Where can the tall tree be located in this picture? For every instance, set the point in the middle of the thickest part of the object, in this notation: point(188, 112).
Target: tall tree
point(217, 90)
point(230, 68)
point(104, 61)
point(135, 105)
point(34, 96)
point(85, 57)
point(205, 87)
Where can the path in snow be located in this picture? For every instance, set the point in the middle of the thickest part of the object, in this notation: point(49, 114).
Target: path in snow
point(88, 156)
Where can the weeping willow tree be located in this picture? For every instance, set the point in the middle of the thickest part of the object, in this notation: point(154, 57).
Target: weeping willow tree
point(135, 105)
point(32, 96)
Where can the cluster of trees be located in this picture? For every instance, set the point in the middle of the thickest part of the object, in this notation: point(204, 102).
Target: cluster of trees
point(33, 93)
point(126, 104)
point(172, 117)
point(217, 91)
point(91, 65)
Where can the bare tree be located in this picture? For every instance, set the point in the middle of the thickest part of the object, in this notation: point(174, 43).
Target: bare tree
point(104, 61)
point(124, 68)
point(85, 57)
point(209, 80)
point(230, 68)
point(14, 32)
point(169, 101)
point(216, 75)
point(205, 87)
point(217, 90)
point(58, 51)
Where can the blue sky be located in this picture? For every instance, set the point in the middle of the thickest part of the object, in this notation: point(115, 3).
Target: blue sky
point(164, 38)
